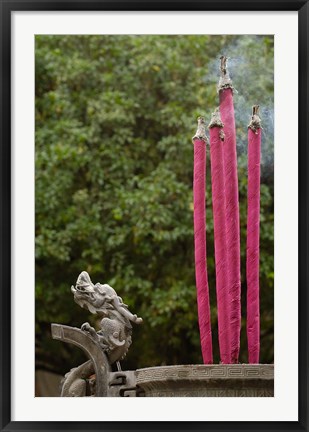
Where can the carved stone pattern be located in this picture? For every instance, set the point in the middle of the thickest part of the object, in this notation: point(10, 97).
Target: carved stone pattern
point(115, 333)
point(205, 371)
point(207, 381)
point(209, 392)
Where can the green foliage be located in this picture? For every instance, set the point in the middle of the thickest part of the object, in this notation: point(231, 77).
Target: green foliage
point(114, 121)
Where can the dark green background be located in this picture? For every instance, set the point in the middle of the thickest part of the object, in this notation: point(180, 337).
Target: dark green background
point(114, 159)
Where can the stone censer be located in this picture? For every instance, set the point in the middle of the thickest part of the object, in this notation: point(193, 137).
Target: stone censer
point(110, 345)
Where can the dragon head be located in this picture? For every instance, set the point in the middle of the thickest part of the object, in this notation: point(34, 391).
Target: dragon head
point(101, 299)
point(96, 298)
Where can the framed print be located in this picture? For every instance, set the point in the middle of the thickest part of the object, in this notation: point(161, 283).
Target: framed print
point(107, 204)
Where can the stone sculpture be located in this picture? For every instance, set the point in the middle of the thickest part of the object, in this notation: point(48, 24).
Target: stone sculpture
point(114, 336)
point(106, 346)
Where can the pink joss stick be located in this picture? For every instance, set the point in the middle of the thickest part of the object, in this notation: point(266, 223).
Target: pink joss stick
point(199, 180)
point(253, 236)
point(225, 89)
point(218, 202)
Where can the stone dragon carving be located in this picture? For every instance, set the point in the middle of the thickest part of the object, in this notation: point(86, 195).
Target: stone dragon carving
point(114, 336)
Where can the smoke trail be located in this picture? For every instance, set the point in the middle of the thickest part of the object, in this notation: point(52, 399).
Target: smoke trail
point(252, 73)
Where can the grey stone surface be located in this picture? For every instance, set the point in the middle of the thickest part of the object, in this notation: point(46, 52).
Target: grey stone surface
point(104, 347)
point(74, 384)
point(241, 380)
point(123, 384)
point(115, 334)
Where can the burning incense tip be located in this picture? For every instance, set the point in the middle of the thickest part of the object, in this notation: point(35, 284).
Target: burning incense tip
point(225, 80)
point(201, 130)
point(255, 122)
point(216, 120)
point(223, 65)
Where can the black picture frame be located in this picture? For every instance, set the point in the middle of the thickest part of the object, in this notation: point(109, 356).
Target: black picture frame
point(6, 8)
